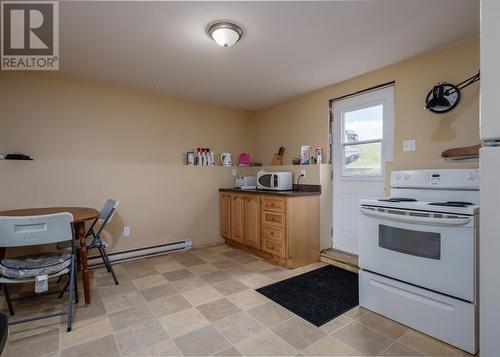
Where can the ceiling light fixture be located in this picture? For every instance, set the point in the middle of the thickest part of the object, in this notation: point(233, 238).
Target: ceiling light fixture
point(225, 33)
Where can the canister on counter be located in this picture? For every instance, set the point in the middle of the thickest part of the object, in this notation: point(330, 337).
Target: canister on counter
point(190, 158)
point(319, 155)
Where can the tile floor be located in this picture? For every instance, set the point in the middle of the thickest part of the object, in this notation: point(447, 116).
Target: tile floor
point(202, 302)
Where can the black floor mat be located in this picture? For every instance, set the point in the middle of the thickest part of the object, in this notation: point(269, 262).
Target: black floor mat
point(317, 296)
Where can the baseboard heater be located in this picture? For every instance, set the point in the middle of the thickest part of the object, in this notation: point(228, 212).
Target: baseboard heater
point(116, 257)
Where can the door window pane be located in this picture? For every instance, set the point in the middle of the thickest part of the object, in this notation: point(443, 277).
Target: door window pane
point(363, 159)
point(364, 124)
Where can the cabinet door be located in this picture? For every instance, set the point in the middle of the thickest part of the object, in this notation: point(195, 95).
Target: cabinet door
point(238, 217)
point(225, 214)
point(252, 221)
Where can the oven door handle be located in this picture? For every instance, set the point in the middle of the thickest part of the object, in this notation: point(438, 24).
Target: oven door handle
point(412, 219)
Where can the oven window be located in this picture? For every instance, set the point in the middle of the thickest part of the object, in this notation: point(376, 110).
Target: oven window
point(420, 244)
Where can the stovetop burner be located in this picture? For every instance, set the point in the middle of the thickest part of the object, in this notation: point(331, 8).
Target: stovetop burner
point(398, 199)
point(452, 204)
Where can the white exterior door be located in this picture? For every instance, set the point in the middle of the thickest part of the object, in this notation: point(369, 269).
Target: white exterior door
point(363, 137)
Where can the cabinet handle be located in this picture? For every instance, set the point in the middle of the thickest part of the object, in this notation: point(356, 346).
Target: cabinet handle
point(272, 233)
point(272, 204)
point(235, 198)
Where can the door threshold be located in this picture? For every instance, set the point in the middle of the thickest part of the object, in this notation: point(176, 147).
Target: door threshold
point(340, 259)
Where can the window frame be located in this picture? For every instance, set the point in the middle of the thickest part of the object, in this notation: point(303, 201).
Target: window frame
point(383, 96)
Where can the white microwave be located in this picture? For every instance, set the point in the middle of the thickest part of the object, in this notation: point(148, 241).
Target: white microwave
point(279, 181)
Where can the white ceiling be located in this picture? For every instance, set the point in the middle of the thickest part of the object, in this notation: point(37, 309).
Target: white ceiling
point(289, 48)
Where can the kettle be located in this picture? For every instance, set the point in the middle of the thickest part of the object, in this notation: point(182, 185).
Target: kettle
point(225, 159)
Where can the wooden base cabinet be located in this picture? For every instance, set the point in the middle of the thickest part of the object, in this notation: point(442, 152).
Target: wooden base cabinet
point(282, 229)
point(252, 221)
point(237, 217)
point(225, 214)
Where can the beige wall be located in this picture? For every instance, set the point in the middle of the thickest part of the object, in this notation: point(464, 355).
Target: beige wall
point(304, 120)
point(85, 120)
point(92, 141)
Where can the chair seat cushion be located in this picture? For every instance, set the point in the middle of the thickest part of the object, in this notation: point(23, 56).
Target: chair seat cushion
point(34, 265)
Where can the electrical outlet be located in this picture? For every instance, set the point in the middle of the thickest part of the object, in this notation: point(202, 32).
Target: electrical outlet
point(409, 145)
point(303, 173)
point(234, 172)
point(126, 231)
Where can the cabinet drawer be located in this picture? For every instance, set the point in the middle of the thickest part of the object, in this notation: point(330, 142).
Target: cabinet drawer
point(391, 298)
point(273, 247)
point(273, 218)
point(273, 233)
point(271, 203)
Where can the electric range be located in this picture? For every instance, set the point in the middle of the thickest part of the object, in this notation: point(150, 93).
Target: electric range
point(418, 253)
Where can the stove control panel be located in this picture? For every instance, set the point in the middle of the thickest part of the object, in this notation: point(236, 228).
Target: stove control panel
point(435, 177)
point(446, 178)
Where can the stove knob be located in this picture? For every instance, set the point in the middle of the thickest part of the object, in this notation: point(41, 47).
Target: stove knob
point(407, 177)
point(471, 176)
point(398, 177)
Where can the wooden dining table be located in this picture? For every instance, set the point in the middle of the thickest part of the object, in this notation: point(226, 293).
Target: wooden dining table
point(80, 216)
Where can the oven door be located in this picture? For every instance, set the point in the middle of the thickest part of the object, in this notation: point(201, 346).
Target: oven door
point(430, 250)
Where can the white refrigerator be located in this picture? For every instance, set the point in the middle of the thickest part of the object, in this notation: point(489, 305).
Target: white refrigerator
point(489, 251)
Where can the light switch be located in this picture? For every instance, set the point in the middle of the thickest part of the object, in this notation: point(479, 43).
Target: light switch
point(409, 145)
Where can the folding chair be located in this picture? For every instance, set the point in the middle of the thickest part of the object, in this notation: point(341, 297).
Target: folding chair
point(107, 213)
point(33, 231)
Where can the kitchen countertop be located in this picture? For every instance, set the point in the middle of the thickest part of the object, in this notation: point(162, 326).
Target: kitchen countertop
point(298, 190)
